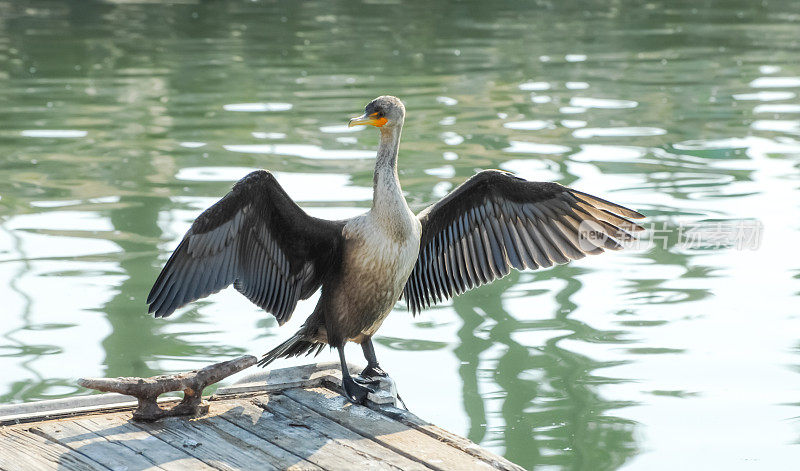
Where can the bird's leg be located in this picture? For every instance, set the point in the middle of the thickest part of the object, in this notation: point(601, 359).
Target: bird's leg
point(355, 392)
point(373, 369)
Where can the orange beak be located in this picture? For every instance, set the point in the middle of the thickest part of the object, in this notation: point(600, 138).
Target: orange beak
point(364, 119)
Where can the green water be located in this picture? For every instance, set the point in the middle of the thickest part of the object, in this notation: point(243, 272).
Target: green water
point(120, 122)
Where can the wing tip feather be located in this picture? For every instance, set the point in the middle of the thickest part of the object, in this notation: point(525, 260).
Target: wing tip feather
point(601, 203)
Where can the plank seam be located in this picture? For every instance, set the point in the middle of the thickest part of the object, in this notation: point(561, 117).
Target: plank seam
point(303, 460)
point(118, 442)
point(198, 458)
point(17, 435)
point(44, 435)
point(373, 439)
point(341, 442)
point(211, 465)
point(476, 453)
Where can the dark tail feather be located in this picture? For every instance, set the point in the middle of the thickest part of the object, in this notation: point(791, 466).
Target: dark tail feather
point(297, 345)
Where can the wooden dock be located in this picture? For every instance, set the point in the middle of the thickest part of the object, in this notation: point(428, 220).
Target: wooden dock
point(292, 418)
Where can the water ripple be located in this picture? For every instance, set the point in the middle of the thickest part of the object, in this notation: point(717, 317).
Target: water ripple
point(586, 102)
point(764, 96)
point(776, 82)
point(587, 133)
point(257, 107)
point(299, 150)
point(525, 147)
point(300, 186)
point(534, 125)
point(54, 133)
point(777, 108)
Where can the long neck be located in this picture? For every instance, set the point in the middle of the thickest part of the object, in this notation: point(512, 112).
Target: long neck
point(386, 185)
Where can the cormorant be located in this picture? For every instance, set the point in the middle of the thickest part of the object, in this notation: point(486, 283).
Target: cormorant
point(274, 253)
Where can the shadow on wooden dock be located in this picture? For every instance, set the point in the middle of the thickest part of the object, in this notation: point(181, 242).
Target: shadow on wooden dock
point(291, 418)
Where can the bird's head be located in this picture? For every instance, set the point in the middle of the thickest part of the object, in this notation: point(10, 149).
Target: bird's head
point(383, 112)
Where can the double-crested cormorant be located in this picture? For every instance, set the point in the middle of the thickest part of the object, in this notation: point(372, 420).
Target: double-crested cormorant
point(274, 253)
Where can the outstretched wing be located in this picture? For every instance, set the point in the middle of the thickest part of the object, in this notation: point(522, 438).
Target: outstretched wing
point(257, 238)
point(495, 221)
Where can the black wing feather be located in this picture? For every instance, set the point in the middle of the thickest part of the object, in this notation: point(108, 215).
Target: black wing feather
point(496, 221)
point(257, 238)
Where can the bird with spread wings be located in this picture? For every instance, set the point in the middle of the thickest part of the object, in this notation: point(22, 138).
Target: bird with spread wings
point(258, 239)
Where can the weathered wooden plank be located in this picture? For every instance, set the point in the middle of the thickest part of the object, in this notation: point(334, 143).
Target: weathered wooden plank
point(118, 428)
point(220, 444)
point(95, 400)
point(450, 438)
point(11, 414)
point(111, 454)
point(21, 450)
point(283, 459)
point(319, 374)
point(282, 405)
point(321, 442)
point(296, 429)
point(382, 429)
point(284, 378)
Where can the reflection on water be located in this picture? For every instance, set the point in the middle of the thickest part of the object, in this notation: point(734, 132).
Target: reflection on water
point(120, 122)
point(538, 398)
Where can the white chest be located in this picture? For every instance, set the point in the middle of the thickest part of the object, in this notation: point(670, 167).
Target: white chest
point(382, 252)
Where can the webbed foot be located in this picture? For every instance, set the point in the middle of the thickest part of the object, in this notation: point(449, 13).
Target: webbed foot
point(360, 379)
point(355, 392)
point(373, 372)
